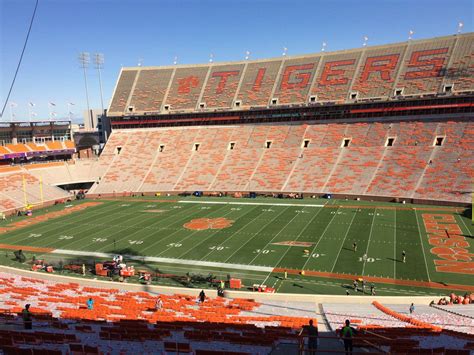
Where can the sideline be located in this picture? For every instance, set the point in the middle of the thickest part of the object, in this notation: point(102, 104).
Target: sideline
point(377, 279)
point(251, 203)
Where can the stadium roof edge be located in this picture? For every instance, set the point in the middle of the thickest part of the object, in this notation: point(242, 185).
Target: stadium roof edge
point(344, 51)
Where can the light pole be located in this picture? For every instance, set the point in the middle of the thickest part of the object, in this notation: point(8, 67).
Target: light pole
point(84, 60)
point(70, 113)
point(460, 26)
point(99, 64)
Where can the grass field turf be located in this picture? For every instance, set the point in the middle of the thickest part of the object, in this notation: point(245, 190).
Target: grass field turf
point(381, 231)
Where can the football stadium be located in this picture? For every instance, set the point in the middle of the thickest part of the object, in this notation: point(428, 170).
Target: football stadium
point(231, 203)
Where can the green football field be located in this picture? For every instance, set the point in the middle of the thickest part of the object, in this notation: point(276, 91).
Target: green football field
point(251, 237)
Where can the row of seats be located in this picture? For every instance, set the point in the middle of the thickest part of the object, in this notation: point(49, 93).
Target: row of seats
point(127, 320)
point(27, 149)
point(309, 158)
point(415, 67)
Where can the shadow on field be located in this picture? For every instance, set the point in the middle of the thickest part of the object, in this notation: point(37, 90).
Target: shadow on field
point(396, 260)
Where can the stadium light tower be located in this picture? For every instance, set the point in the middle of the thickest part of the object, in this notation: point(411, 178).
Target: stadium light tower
point(84, 60)
point(285, 50)
point(365, 41)
point(211, 58)
point(323, 46)
point(99, 64)
point(410, 34)
point(247, 55)
point(175, 61)
point(460, 26)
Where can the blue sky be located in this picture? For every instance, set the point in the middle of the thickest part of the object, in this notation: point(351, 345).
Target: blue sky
point(157, 31)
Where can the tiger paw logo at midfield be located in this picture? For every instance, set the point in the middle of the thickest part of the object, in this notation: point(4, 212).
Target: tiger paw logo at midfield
point(208, 223)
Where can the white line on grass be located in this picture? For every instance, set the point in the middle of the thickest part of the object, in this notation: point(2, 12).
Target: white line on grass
point(181, 230)
point(47, 227)
point(465, 225)
point(214, 232)
point(395, 247)
point(167, 260)
point(297, 237)
point(100, 232)
point(251, 203)
point(368, 242)
point(320, 238)
point(343, 241)
point(422, 246)
point(276, 235)
point(233, 234)
point(256, 234)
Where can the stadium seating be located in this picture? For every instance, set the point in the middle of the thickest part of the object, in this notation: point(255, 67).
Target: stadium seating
point(274, 158)
point(128, 320)
point(415, 68)
point(17, 186)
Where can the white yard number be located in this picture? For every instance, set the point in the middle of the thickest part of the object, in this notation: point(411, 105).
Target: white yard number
point(137, 242)
point(177, 207)
point(314, 255)
point(99, 240)
point(369, 260)
point(235, 209)
point(218, 248)
point(205, 208)
point(175, 245)
point(301, 211)
point(65, 237)
point(34, 235)
point(267, 210)
point(263, 251)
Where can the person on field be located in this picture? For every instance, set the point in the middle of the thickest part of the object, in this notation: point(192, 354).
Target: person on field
point(404, 256)
point(312, 333)
point(354, 247)
point(372, 289)
point(26, 315)
point(347, 334)
point(412, 308)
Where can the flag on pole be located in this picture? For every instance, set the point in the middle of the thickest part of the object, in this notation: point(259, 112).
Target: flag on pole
point(31, 104)
point(71, 103)
point(52, 104)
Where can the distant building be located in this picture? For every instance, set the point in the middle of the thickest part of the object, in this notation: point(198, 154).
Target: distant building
point(96, 121)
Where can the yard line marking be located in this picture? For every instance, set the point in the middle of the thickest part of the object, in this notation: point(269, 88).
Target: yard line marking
point(276, 235)
point(395, 247)
point(368, 242)
point(251, 203)
point(48, 228)
point(220, 230)
point(192, 233)
point(256, 234)
point(288, 249)
point(343, 241)
point(320, 238)
point(233, 234)
point(167, 260)
point(422, 246)
point(178, 230)
point(131, 226)
point(465, 225)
